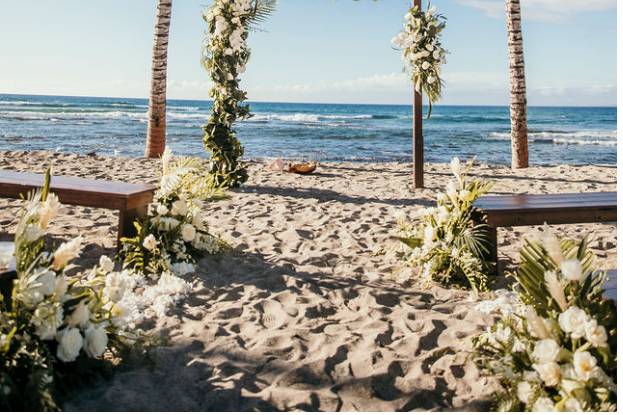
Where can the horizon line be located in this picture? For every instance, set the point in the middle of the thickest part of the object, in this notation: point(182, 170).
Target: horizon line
point(312, 103)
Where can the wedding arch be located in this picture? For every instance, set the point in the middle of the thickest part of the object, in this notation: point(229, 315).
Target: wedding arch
point(226, 54)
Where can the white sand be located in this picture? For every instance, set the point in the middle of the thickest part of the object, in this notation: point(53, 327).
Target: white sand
point(303, 315)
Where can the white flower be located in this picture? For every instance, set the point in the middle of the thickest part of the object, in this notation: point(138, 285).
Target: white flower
point(552, 245)
point(118, 284)
point(546, 351)
point(430, 47)
point(32, 233)
point(150, 243)
point(543, 404)
point(61, 287)
point(188, 232)
point(573, 405)
point(69, 344)
point(45, 282)
point(47, 318)
point(536, 325)
point(571, 269)
point(106, 264)
point(584, 363)
point(456, 168)
point(556, 289)
point(179, 208)
point(48, 210)
point(573, 321)
point(596, 334)
point(524, 391)
point(66, 252)
point(95, 341)
point(431, 79)
point(425, 65)
point(80, 316)
point(161, 209)
point(548, 372)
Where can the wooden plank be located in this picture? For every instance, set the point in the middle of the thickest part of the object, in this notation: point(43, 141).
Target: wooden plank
point(552, 217)
point(79, 191)
point(537, 201)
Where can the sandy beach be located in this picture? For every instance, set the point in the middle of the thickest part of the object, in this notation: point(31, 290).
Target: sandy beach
point(307, 313)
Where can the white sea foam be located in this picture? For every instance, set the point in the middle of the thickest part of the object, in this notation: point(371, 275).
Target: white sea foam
point(305, 118)
point(585, 137)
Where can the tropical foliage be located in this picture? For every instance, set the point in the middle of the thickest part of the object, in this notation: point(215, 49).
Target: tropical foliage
point(448, 244)
point(557, 350)
point(174, 233)
point(225, 57)
point(422, 51)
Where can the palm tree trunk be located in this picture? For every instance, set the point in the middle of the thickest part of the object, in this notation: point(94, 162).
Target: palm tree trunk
point(157, 114)
point(518, 102)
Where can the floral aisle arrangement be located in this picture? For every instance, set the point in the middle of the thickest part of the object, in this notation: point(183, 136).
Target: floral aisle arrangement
point(422, 52)
point(448, 244)
point(557, 349)
point(174, 232)
point(47, 319)
point(226, 55)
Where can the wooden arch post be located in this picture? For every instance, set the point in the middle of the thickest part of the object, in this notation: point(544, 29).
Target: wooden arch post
point(418, 136)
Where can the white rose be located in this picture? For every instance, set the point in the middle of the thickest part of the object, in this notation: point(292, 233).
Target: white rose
point(179, 208)
point(571, 269)
point(584, 363)
point(431, 79)
point(549, 373)
point(188, 232)
point(95, 341)
point(524, 391)
point(546, 351)
point(106, 264)
point(596, 334)
point(543, 405)
point(66, 252)
point(80, 316)
point(573, 321)
point(436, 55)
point(430, 47)
point(69, 344)
point(150, 243)
point(425, 65)
point(161, 210)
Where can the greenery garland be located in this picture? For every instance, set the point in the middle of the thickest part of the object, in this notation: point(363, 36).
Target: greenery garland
point(422, 51)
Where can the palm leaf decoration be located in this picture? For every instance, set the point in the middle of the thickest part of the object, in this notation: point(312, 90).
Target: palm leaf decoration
point(261, 12)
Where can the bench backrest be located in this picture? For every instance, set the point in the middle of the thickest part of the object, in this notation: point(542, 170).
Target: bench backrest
point(78, 191)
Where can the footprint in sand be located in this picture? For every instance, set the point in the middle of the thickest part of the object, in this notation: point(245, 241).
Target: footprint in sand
point(273, 314)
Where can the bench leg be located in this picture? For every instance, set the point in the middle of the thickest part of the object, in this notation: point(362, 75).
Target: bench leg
point(493, 244)
point(126, 223)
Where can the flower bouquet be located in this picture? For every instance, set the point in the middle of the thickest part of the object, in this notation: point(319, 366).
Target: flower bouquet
point(557, 351)
point(448, 244)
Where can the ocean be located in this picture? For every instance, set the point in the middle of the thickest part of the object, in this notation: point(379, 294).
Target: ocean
point(325, 132)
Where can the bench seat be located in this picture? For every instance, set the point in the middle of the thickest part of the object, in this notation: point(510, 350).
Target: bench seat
point(131, 200)
point(555, 209)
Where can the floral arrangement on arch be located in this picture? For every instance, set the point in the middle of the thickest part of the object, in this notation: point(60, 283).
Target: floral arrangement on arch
point(422, 51)
point(448, 244)
point(225, 57)
point(557, 350)
point(53, 324)
point(174, 233)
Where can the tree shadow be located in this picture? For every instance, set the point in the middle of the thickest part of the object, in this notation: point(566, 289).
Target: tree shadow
point(325, 195)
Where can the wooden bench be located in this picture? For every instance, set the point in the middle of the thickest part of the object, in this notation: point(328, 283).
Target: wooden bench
point(555, 209)
point(131, 200)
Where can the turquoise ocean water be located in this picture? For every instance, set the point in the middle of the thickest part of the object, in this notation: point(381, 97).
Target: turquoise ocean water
point(327, 132)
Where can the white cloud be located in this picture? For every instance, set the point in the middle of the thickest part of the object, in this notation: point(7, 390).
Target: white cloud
point(543, 10)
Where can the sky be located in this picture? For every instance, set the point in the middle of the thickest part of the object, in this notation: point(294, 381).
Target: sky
point(328, 51)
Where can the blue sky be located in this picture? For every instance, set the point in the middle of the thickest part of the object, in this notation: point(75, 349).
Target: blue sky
point(311, 51)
